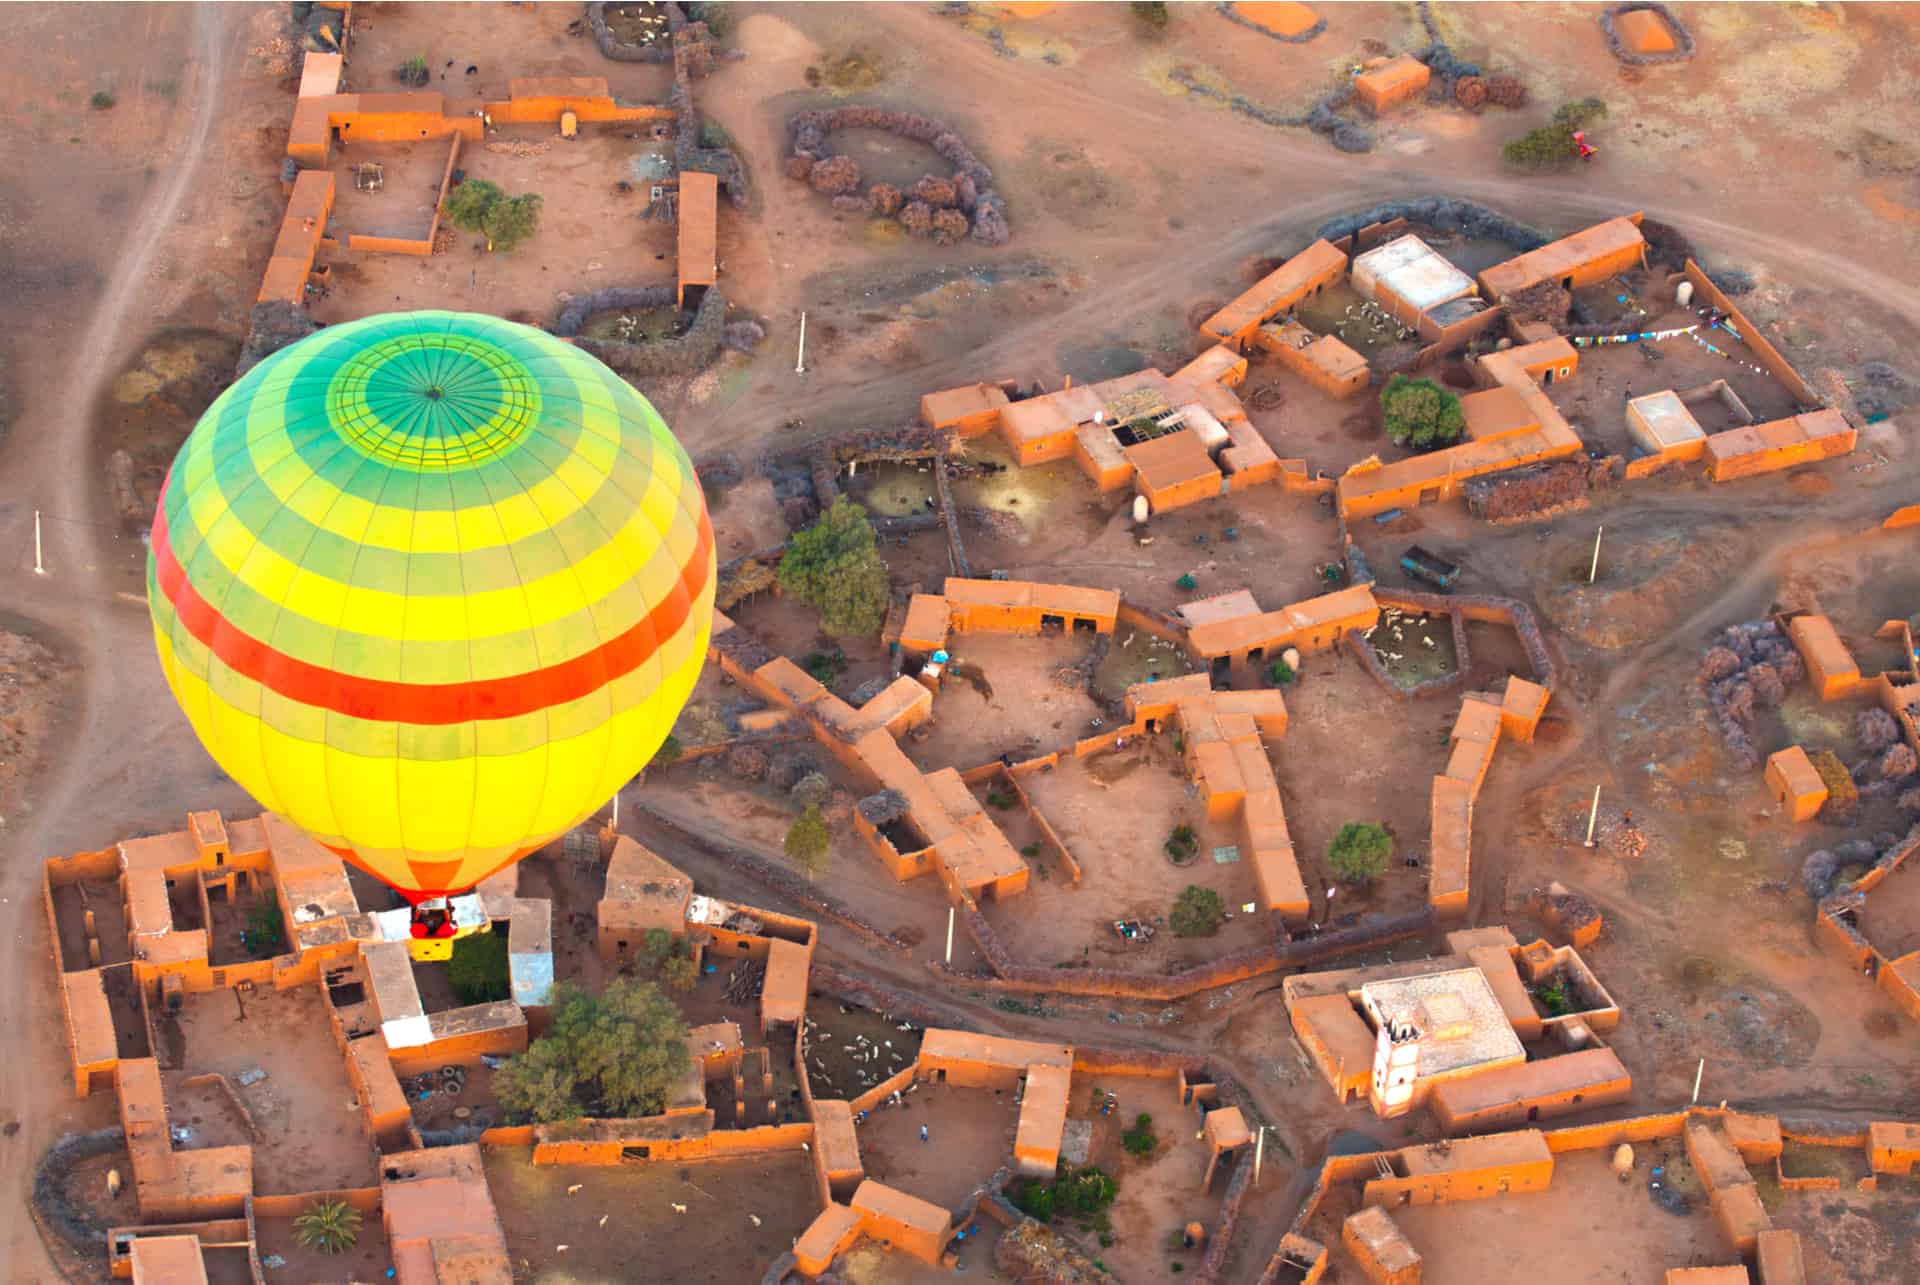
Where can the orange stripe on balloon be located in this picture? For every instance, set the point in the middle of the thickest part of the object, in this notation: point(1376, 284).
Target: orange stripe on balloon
point(428, 704)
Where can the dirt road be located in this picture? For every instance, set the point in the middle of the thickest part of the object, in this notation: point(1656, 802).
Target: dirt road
point(110, 770)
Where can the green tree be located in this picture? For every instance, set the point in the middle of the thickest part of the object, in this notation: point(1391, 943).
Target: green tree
point(1140, 1139)
point(1197, 912)
point(480, 206)
point(659, 946)
point(1360, 851)
point(1554, 141)
point(679, 974)
point(330, 1226)
point(1421, 414)
point(1151, 14)
point(479, 970)
point(835, 567)
point(1280, 673)
point(615, 1054)
point(807, 840)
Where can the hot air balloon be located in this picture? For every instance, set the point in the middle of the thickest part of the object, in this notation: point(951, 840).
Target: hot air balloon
point(432, 586)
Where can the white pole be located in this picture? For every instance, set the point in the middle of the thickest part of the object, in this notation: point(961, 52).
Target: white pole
point(616, 809)
point(1593, 817)
point(949, 934)
point(1698, 1072)
point(39, 567)
point(1594, 570)
point(800, 362)
point(1259, 1148)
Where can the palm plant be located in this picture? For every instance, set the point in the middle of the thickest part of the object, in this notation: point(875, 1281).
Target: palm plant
point(330, 1226)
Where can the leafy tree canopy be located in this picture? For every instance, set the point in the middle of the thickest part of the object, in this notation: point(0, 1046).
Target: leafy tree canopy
point(1421, 414)
point(616, 1054)
point(834, 566)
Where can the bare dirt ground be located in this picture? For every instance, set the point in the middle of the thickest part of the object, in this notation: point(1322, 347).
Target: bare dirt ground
point(310, 1133)
point(592, 1236)
point(1133, 205)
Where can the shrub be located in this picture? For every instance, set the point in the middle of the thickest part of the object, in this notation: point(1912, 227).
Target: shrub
point(1875, 730)
point(412, 72)
point(811, 790)
point(825, 666)
point(714, 134)
point(885, 198)
point(1086, 1191)
point(1553, 997)
point(1360, 851)
point(478, 969)
point(1036, 1199)
point(1197, 912)
point(330, 1226)
point(917, 218)
point(659, 945)
point(615, 1054)
point(1183, 843)
point(1152, 15)
point(807, 840)
point(1280, 673)
point(680, 974)
point(506, 221)
point(949, 227)
point(102, 100)
point(835, 176)
point(1421, 414)
point(935, 191)
point(1001, 799)
point(1139, 1140)
point(1554, 142)
point(1579, 115)
point(834, 566)
point(1843, 796)
point(1030, 851)
point(669, 752)
point(266, 932)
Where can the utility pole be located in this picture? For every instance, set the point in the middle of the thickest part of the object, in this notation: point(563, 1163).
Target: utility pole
point(949, 934)
point(39, 567)
point(1593, 817)
point(1259, 1150)
point(800, 361)
point(1594, 570)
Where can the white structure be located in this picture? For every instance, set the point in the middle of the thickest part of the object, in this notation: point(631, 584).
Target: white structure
point(1410, 273)
point(1431, 1028)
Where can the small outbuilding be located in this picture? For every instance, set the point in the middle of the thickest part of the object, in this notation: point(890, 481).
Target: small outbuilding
point(1795, 784)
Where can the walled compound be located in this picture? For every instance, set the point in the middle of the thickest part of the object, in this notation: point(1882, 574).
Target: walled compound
point(1181, 439)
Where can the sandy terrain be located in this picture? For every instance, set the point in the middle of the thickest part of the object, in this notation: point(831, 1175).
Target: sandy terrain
point(1133, 204)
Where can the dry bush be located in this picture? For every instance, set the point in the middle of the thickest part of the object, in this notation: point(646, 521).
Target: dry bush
point(917, 218)
point(835, 176)
point(1898, 763)
point(1767, 687)
point(1505, 91)
point(1875, 730)
point(1719, 663)
point(747, 762)
point(885, 199)
point(1470, 92)
point(949, 226)
point(800, 166)
point(937, 192)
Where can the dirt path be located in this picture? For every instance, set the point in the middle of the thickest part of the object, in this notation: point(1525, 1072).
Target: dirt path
point(97, 771)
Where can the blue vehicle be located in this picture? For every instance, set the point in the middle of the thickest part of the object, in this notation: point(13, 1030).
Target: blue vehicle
point(1430, 567)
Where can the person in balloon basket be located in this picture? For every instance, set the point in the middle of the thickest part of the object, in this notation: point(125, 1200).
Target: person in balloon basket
point(433, 918)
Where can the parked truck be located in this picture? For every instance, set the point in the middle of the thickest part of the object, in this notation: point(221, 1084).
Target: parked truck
point(1430, 567)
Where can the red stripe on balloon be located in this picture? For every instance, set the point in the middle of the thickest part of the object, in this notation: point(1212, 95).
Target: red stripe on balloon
point(428, 704)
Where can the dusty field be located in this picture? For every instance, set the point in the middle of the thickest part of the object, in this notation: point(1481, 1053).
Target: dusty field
point(1602, 1229)
point(1125, 873)
point(969, 1135)
point(591, 1236)
point(1023, 712)
point(305, 1108)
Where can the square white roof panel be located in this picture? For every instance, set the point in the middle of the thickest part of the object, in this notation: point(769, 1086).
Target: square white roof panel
point(1409, 269)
